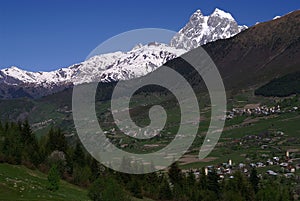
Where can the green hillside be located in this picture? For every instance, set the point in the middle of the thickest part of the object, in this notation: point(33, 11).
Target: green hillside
point(20, 183)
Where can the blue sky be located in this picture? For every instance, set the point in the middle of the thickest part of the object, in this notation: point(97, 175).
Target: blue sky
point(43, 35)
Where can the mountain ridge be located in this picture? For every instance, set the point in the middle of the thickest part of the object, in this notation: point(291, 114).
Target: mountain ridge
point(139, 61)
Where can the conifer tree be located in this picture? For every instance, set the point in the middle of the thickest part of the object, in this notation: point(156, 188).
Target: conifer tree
point(175, 174)
point(165, 192)
point(79, 156)
point(53, 179)
point(254, 180)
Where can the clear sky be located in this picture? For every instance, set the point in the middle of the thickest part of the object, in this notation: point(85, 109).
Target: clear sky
point(43, 35)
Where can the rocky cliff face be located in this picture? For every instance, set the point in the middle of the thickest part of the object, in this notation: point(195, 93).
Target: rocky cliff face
point(204, 29)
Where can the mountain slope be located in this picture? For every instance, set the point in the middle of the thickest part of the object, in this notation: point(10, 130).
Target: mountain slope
point(252, 57)
point(203, 29)
point(260, 53)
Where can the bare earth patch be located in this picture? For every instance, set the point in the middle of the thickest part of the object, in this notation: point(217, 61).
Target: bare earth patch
point(251, 106)
point(187, 159)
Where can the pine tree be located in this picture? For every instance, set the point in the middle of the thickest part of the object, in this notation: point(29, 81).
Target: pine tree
point(12, 144)
point(165, 192)
point(56, 140)
point(203, 180)
point(190, 187)
point(191, 179)
point(79, 156)
point(254, 180)
point(175, 174)
point(151, 182)
point(95, 170)
point(240, 185)
point(212, 182)
point(135, 188)
point(30, 144)
point(26, 135)
point(53, 179)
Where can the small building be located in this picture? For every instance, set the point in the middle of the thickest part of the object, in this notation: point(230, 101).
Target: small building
point(283, 164)
point(271, 172)
point(287, 154)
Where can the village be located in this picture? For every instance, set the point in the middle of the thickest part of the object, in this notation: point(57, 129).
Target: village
point(257, 110)
point(278, 166)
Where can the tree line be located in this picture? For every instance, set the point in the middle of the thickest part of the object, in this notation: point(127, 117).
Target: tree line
point(281, 87)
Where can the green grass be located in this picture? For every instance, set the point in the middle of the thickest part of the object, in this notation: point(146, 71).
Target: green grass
point(289, 123)
point(20, 183)
point(144, 199)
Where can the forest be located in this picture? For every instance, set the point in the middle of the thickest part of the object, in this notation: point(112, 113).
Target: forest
point(281, 87)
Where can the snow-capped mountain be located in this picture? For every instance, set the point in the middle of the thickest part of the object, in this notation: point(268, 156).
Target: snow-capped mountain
point(115, 66)
point(101, 68)
point(203, 29)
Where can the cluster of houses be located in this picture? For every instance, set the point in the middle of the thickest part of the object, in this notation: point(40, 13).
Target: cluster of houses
point(253, 109)
point(256, 109)
point(288, 167)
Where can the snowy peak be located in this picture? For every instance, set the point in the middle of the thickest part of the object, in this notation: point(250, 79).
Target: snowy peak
point(10, 74)
point(222, 14)
point(276, 17)
point(196, 16)
point(203, 29)
point(141, 60)
point(242, 27)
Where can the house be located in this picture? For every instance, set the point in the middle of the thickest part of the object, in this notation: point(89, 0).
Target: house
point(283, 164)
point(264, 146)
point(271, 172)
point(276, 159)
point(289, 175)
point(293, 170)
point(241, 165)
point(269, 162)
point(287, 154)
point(260, 164)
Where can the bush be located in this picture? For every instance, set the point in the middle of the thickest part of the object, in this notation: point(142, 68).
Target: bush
point(107, 189)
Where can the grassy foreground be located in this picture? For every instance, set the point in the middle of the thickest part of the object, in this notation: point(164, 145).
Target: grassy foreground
point(20, 183)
